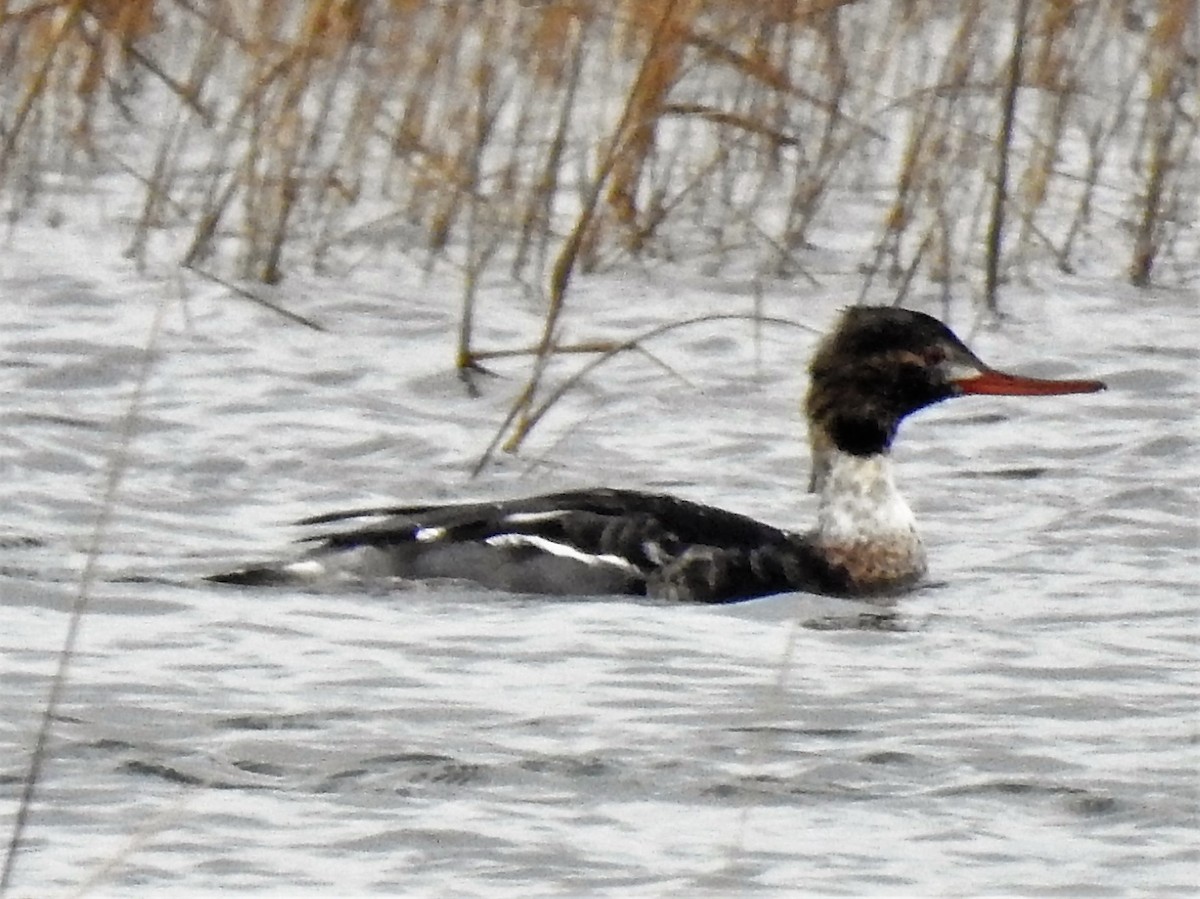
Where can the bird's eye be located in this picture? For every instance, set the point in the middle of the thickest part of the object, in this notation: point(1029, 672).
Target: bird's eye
point(935, 355)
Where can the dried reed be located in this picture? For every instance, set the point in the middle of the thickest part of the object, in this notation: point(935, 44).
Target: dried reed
point(538, 139)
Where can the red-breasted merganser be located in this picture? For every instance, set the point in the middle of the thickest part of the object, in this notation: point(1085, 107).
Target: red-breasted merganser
point(877, 366)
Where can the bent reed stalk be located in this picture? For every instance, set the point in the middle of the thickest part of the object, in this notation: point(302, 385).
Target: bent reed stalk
point(118, 462)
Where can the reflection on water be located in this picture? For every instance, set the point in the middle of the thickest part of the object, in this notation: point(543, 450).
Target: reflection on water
point(1024, 723)
point(863, 621)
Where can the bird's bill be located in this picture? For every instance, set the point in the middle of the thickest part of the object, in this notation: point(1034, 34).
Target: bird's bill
point(997, 383)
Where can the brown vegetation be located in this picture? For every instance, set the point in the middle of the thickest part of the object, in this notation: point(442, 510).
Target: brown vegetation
point(544, 137)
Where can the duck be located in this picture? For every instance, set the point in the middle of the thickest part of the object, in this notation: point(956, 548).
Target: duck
point(876, 366)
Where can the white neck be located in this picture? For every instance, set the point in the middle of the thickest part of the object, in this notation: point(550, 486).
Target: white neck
point(860, 503)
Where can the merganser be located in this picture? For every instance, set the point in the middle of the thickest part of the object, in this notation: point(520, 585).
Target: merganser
point(877, 366)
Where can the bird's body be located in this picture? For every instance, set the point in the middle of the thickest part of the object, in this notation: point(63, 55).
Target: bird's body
point(876, 367)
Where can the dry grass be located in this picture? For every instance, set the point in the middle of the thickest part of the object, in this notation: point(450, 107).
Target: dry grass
point(539, 138)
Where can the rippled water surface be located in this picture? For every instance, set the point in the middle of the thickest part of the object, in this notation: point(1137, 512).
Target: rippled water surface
point(1023, 724)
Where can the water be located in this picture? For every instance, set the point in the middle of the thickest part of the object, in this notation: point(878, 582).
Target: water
point(1025, 723)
